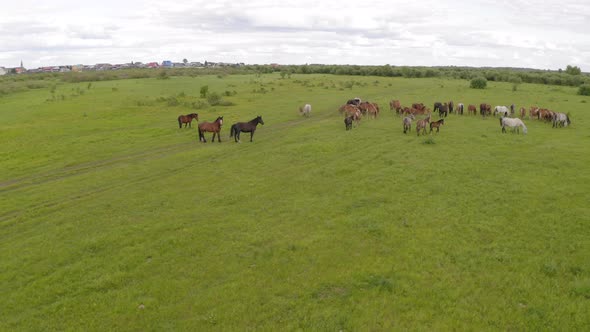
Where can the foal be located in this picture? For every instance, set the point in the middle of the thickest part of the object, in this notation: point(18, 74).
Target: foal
point(421, 125)
point(437, 124)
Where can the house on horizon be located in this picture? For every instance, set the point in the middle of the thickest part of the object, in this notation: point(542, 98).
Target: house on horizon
point(3, 71)
point(167, 63)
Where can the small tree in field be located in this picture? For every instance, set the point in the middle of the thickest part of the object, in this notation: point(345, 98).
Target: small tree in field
point(204, 91)
point(478, 83)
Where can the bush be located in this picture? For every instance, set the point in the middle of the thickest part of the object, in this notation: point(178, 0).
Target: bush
point(214, 98)
point(204, 91)
point(478, 83)
point(584, 90)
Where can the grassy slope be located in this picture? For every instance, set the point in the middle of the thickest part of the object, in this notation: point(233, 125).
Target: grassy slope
point(107, 205)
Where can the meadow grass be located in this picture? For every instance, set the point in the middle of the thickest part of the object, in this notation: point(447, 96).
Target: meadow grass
point(113, 218)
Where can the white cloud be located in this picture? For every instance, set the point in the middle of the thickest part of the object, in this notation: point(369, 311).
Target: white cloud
point(516, 33)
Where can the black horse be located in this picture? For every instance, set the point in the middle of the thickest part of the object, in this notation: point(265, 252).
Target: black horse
point(248, 127)
point(437, 106)
point(348, 122)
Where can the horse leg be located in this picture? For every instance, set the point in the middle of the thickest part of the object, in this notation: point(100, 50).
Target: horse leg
point(251, 135)
point(218, 137)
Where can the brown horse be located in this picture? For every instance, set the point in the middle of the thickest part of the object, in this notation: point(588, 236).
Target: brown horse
point(471, 108)
point(418, 106)
point(485, 109)
point(370, 109)
point(437, 124)
point(395, 105)
point(214, 127)
point(421, 125)
point(187, 119)
point(522, 112)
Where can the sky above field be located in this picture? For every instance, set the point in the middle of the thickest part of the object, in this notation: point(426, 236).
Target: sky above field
point(546, 34)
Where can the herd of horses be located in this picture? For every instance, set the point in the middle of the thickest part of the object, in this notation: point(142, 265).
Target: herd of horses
point(355, 109)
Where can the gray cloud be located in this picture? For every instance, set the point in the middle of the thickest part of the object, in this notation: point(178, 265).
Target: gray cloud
point(514, 33)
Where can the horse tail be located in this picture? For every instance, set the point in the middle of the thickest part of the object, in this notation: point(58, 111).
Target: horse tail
point(179, 123)
point(231, 130)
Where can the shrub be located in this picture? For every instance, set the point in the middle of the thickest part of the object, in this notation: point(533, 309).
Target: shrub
point(163, 75)
point(204, 91)
point(478, 83)
point(199, 105)
point(584, 90)
point(214, 98)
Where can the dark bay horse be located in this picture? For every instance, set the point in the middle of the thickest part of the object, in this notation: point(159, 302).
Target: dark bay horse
point(187, 119)
point(248, 127)
point(437, 125)
point(214, 127)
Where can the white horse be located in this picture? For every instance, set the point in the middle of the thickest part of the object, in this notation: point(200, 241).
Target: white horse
point(305, 110)
point(560, 120)
point(502, 110)
point(460, 107)
point(407, 122)
point(512, 123)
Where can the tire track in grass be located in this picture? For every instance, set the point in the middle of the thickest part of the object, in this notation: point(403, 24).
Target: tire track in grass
point(100, 165)
point(58, 174)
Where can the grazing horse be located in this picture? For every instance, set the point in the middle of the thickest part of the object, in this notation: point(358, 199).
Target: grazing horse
point(485, 109)
point(214, 127)
point(418, 106)
point(502, 110)
point(421, 125)
point(546, 115)
point(247, 127)
point(407, 123)
point(533, 112)
point(560, 120)
point(187, 119)
point(522, 112)
point(512, 123)
point(348, 109)
point(460, 108)
point(471, 108)
point(451, 106)
point(512, 109)
point(371, 109)
point(305, 110)
point(395, 105)
point(437, 106)
point(437, 124)
point(443, 109)
point(348, 122)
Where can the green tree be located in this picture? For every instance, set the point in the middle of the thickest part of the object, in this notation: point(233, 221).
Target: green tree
point(478, 83)
point(214, 98)
point(584, 90)
point(204, 91)
point(573, 70)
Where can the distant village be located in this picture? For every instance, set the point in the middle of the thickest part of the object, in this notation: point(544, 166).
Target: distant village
point(107, 66)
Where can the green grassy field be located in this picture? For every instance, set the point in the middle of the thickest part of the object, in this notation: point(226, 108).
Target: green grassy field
point(112, 218)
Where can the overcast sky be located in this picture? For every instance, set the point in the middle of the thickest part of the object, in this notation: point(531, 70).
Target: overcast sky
point(546, 34)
